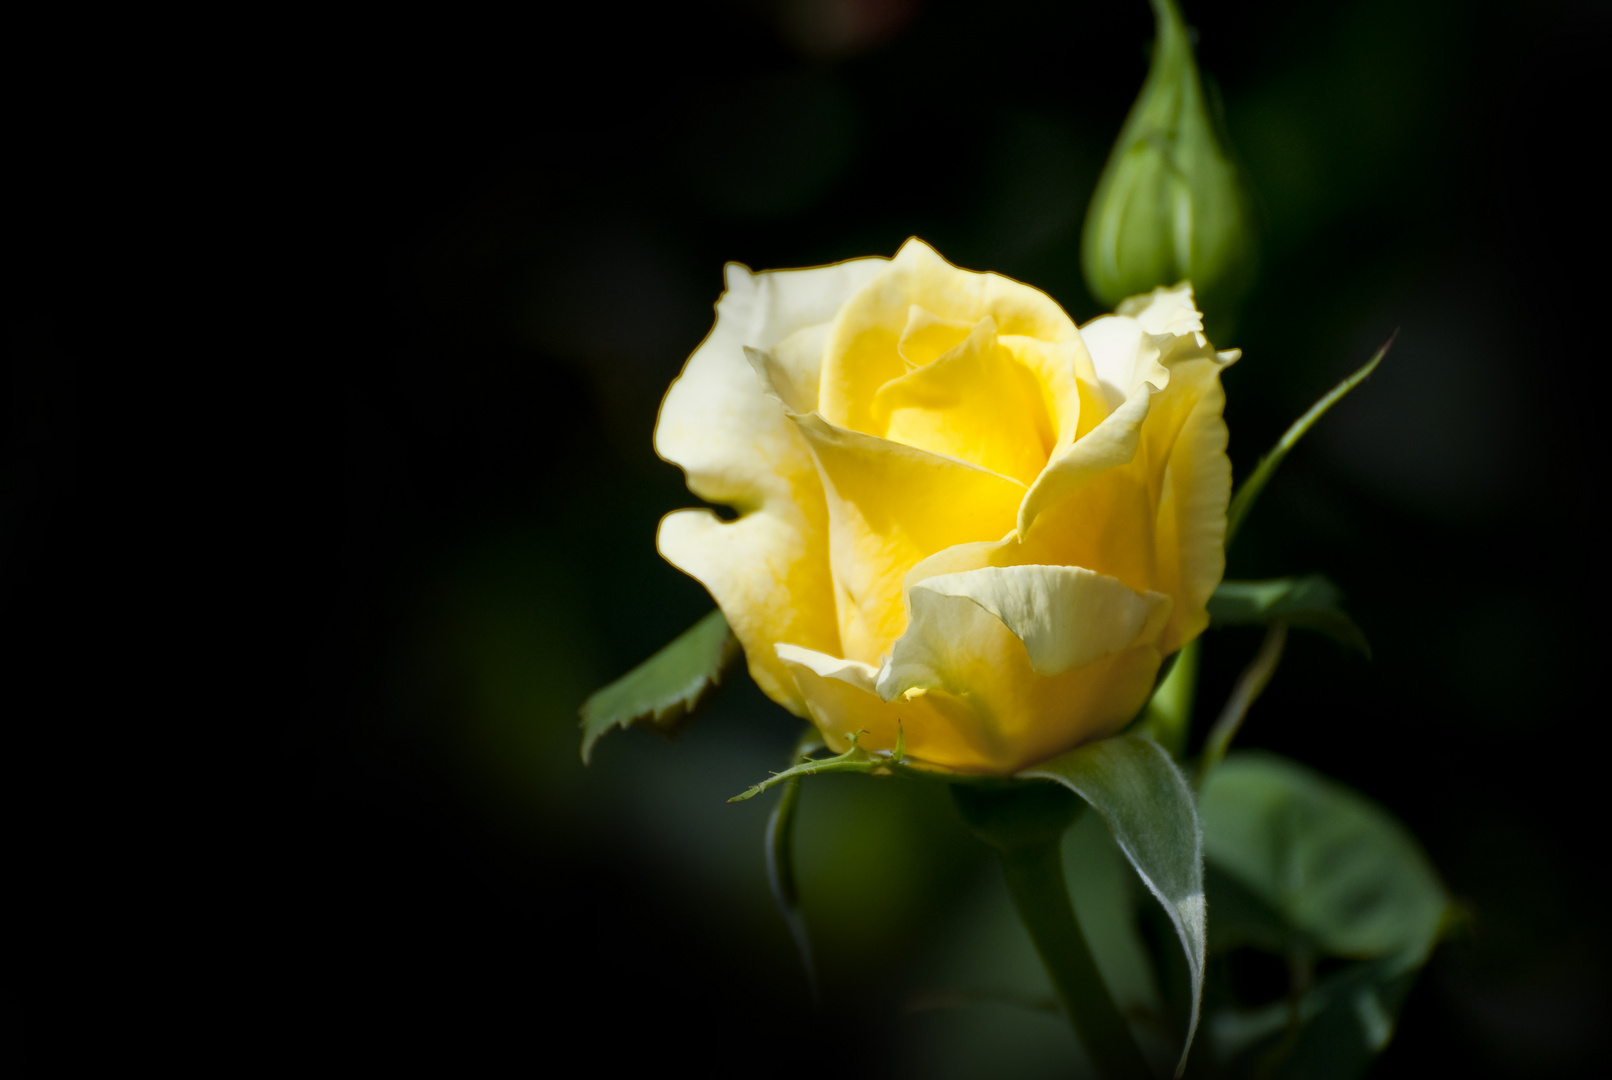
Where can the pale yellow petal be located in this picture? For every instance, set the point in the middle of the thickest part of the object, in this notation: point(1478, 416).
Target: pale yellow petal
point(955, 646)
point(960, 557)
point(1193, 500)
point(1157, 520)
point(758, 569)
point(1165, 310)
point(1125, 347)
point(889, 506)
point(1116, 346)
point(841, 701)
point(716, 423)
point(789, 371)
point(1111, 445)
point(769, 569)
point(1067, 616)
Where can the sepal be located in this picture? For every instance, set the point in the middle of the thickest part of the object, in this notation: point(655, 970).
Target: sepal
point(854, 760)
point(1243, 500)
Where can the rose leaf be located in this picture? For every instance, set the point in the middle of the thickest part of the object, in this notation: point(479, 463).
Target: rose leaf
point(1243, 500)
point(1311, 602)
point(664, 689)
point(1307, 868)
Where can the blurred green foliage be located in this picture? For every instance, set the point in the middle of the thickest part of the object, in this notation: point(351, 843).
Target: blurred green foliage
point(1310, 870)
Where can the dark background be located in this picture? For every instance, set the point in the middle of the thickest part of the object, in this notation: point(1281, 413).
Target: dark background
point(295, 773)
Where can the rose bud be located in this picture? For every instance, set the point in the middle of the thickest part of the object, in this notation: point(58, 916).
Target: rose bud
point(1171, 205)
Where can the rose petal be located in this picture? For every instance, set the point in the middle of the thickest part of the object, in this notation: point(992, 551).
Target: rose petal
point(927, 336)
point(1125, 346)
point(1191, 528)
point(1118, 348)
point(1154, 470)
point(1067, 616)
point(864, 351)
point(1165, 310)
point(889, 506)
point(955, 645)
point(1164, 509)
point(769, 569)
point(841, 701)
point(977, 402)
point(1109, 446)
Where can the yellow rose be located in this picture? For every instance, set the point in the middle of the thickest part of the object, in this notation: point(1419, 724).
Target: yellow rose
point(957, 513)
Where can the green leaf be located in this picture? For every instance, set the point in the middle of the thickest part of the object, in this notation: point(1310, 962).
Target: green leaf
point(1311, 602)
point(1243, 501)
point(1332, 1031)
point(1241, 918)
point(1141, 795)
point(1304, 866)
point(664, 689)
point(1336, 866)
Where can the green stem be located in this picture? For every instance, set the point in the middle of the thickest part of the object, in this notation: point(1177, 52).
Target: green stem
point(1250, 684)
point(1035, 878)
point(1025, 824)
point(780, 850)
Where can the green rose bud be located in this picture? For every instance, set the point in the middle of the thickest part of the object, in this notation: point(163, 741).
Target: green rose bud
point(1170, 204)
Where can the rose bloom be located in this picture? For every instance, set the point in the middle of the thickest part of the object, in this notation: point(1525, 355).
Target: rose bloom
point(957, 513)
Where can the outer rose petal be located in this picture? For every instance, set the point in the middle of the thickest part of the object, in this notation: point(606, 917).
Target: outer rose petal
point(1194, 495)
point(841, 701)
point(1088, 666)
point(1110, 445)
point(768, 571)
point(1067, 616)
point(1164, 310)
point(1166, 507)
point(1123, 358)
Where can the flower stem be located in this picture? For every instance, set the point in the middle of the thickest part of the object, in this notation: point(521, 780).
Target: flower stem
point(1025, 824)
point(1250, 684)
point(780, 849)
